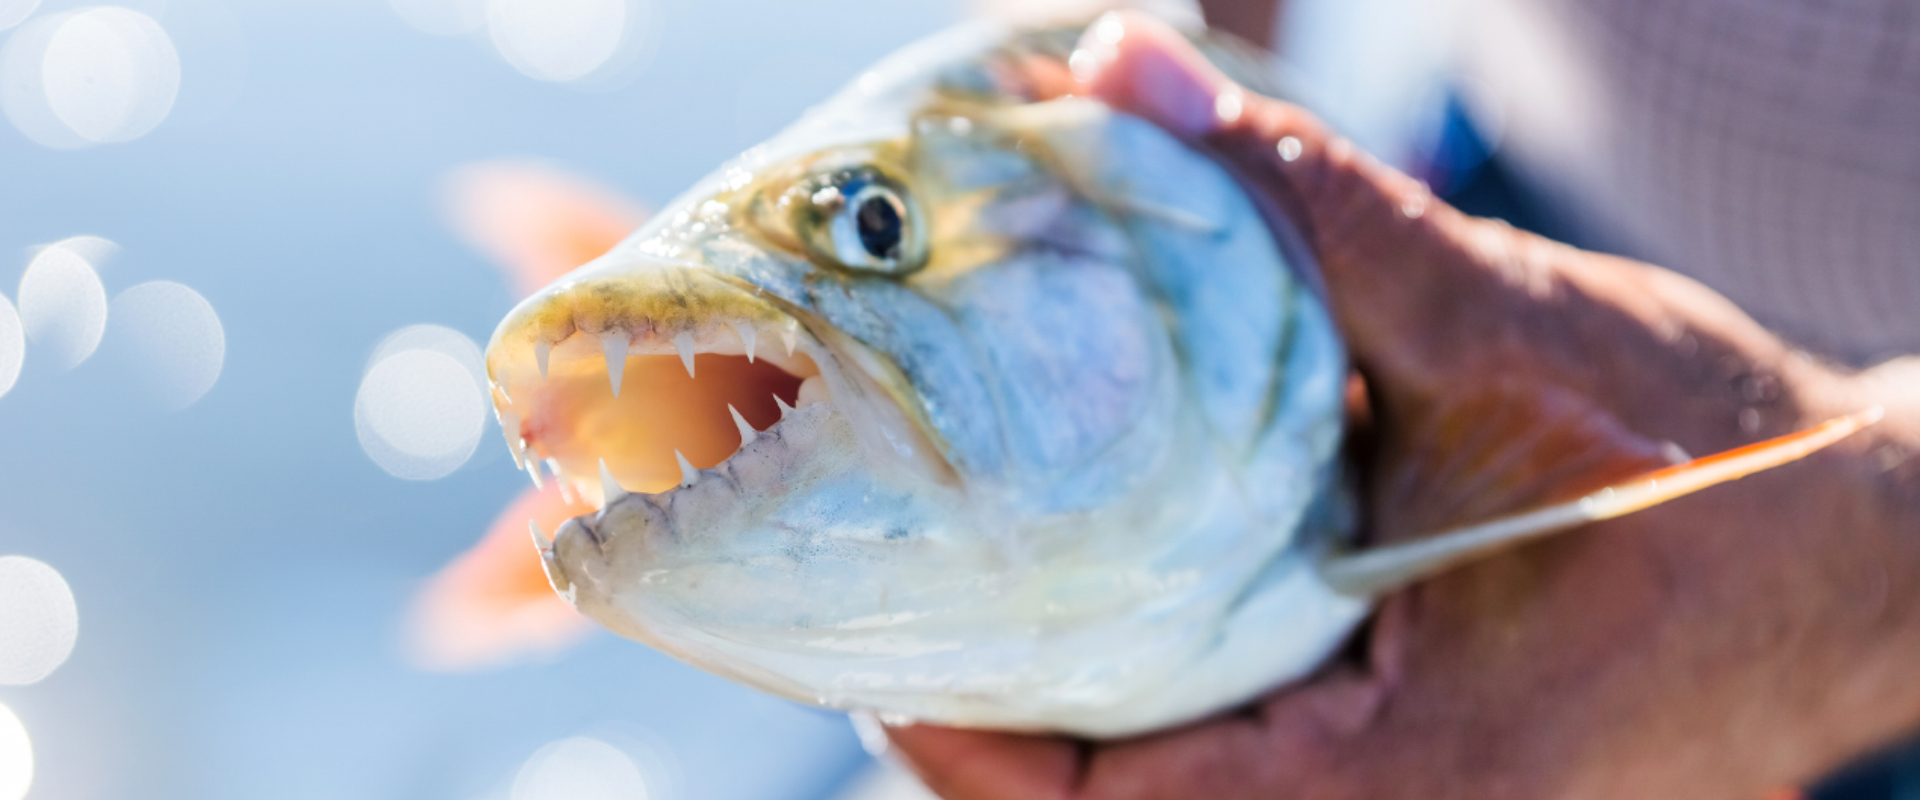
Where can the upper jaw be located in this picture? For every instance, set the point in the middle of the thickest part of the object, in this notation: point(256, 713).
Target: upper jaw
point(599, 379)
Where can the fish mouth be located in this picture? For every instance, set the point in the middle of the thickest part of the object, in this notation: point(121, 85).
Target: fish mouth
point(591, 379)
point(638, 376)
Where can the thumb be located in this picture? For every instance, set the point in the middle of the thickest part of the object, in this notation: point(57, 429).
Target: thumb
point(1400, 266)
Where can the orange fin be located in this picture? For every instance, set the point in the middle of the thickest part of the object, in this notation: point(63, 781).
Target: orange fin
point(492, 604)
point(1379, 570)
point(536, 221)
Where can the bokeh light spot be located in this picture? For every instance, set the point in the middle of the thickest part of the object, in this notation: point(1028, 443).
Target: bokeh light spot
point(16, 757)
point(111, 74)
point(580, 768)
point(38, 621)
point(422, 403)
point(63, 307)
point(13, 346)
point(557, 40)
point(442, 17)
point(92, 76)
point(438, 338)
point(14, 12)
point(176, 337)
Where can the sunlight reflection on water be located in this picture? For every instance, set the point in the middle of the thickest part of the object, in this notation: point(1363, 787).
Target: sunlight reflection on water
point(422, 403)
point(580, 768)
point(92, 76)
point(442, 17)
point(14, 12)
point(39, 622)
point(585, 42)
point(16, 757)
point(557, 40)
point(177, 338)
point(13, 346)
point(63, 307)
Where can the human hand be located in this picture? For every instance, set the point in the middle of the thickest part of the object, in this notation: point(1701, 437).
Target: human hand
point(1745, 638)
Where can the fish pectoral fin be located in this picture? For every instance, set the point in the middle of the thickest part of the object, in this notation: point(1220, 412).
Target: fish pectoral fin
point(1377, 571)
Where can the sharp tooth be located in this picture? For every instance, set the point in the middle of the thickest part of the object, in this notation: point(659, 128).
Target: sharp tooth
point(541, 350)
point(510, 426)
point(533, 471)
point(560, 478)
point(684, 343)
point(613, 344)
point(784, 408)
point(747, 433)
point(688, 475)
point(745, 329)
point(540, 539)
point(790, 337)
point(609, 488)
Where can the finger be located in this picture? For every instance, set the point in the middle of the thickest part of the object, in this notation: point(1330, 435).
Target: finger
point(1395, 259)
point(977, 765)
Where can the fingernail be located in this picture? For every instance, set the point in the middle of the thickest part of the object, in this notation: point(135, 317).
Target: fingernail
point(1142, 66)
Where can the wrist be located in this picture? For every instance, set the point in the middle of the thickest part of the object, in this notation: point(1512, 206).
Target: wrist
point(1893, 447)
point(1870, 551)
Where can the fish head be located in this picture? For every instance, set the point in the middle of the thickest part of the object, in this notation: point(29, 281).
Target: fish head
point(873, 406)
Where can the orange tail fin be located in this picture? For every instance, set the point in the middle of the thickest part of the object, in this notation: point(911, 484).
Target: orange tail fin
point(1383, 569)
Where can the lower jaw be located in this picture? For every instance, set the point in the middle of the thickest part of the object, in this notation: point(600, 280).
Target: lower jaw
point(666, 423)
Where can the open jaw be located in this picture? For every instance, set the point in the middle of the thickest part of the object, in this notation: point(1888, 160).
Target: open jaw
point(640, 406)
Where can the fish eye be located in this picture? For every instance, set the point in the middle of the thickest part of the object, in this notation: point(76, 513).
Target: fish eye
point(876, 222)
point(859, 219)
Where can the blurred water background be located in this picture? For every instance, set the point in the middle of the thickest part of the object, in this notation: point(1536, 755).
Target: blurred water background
point(239, 564)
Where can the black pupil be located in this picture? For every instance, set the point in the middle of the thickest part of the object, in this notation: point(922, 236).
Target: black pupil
point(879, 224)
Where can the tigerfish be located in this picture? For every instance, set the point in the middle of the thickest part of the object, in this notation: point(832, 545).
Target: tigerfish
point(967, 402)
